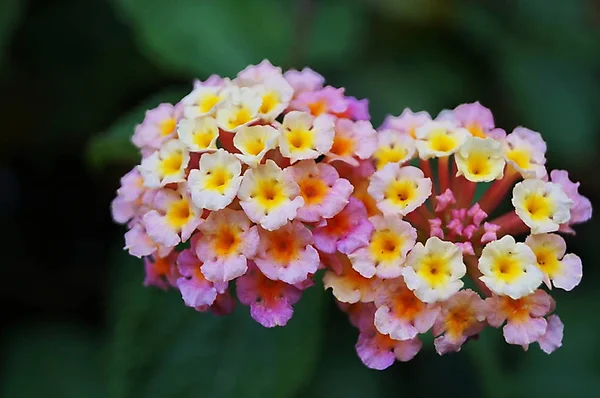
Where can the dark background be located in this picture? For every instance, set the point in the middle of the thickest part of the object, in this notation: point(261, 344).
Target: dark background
point(75, 77)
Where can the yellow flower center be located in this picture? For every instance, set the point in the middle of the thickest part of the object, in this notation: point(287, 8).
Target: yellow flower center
point(227, 240)
point(507, 268)
point(203, 138)
point(389, 154)
point(538, 206)
point(218, 179)
point(441, 141)
point(521, 158)
point(478, 165)
point(171, 164)
point(254, 146)
point(240, 116)
point(401, 192)
point(269, 193)
point(385, 246)
point(167, 126)
point(269, 101)
point(342, 146)
point(434, 269)
point(179, 213)
point(547, 261)
point(475, 130)
point(299, 139)
point(313, 190)
point(207, 102)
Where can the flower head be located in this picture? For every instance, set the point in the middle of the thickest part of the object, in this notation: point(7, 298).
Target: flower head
point(158, 127)
point(407, 123)
point(582, 207)
point(349, 286)
point(239, 109)
point(352, 141)
point(195, 289)
point(174, 219)
point(439, 139)
point(214, 185)
point(542, 206)
point(287, 253)
point(525, 151)
point(388, 246)
point(199, 135)
point(433, 271)
point(393, 147)
point(304, 136)
point(325, 194)
point(462, 315)
point(564, 270)
point(228, 239)
point(480, 160)
point(509, 268)
point(254, 142)
point(166, 165)
point(400, 314)
point(270, 301)
point(399, 190)
point(524, 316)
point(204, 100)
point(474, 117)
point(269, 196)
point(346, 231)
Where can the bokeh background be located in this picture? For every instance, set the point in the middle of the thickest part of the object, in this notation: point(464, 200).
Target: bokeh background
point(76, 76)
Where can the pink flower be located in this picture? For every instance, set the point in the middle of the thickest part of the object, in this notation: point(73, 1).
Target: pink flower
point(400, 314)
point(195, 289)
point(174, 219)
point(228, 240)
point(286, 254)
point(407, 122)
point(304, 80)
point(325, 193)
point(161, 271)
point(524, 317)
point(159, 126)
point(462, 316)
point(257, 74)
point(474, 117)
point(128, 201)
point(552, 337)
point(325, 100)
point(348, 286)
point(270, 301)
point(356, 109)
point(347, 231)
point(582, 207)
point(379, 351)
point(138, 243)
point(352, 141)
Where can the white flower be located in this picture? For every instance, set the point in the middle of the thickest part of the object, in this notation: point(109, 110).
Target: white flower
point(509, 268)
point(542, 206)
point(433, 271)
point(480, 160)
point(254, 142)
point(437, 139)
point(166, 165)
point(305, 137)
point(216, 183)
point(199, 135)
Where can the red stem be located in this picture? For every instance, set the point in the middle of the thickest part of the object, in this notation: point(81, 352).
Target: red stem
point(494, 195)
point(426, 167)
point(443, 174)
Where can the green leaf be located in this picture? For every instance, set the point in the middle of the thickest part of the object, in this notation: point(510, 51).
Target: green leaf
point(162, 348)
point(9, 14)
point(114, 145)
point(60, 361)
point(198, 38)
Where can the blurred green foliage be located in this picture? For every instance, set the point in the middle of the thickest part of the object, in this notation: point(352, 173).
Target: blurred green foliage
point(90, 69)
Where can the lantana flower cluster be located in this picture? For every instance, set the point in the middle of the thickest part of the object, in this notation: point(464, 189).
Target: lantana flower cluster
point(261, 181)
